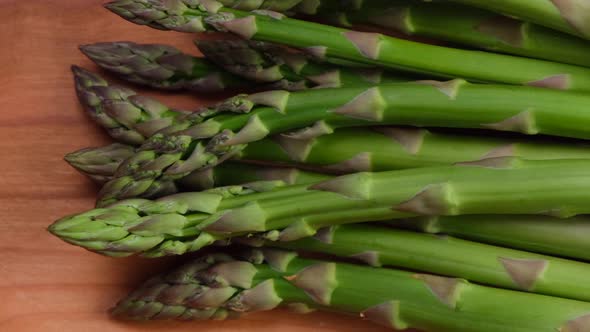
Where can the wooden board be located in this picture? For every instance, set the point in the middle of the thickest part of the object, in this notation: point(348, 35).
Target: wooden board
point(46, 285)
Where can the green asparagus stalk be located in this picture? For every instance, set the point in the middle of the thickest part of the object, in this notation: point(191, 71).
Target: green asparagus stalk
point(444, 255)
point(553, 236)
point(258, 61)
point(458, 24)
point(186, 222)
point(219, 287)
point(99, 164)
point(172, 153)
point(229, 174)
point(537, 234)
point(132, 118)
point(533, 233)
point(570, 16)
point(242, 62)
point(161, 66)
point(350, 150)
point(370, 48)
point(385, 148)
point(543, 234)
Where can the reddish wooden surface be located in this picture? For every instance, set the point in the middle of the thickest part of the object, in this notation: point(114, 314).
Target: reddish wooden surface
point(46, 285)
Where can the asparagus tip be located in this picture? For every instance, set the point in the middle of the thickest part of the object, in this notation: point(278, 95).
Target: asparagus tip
point(77, 69)
point(99, 163)
point(84, 48)
point(112, 6)
point(97, 49)
point(85, 78)
point(71, 158)
point(137, 11)
point(106, 231)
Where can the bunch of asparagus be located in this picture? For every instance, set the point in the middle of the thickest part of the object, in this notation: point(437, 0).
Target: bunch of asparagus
point(445, 187)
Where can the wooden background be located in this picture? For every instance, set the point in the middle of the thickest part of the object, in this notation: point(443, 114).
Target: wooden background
point(46, 285)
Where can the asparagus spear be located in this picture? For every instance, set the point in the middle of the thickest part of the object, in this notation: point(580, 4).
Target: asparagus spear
point(172, 154)
point(218, 287)
point(369, 48)
point(534, 233)
point(131, 118)
point(386, 148)
point(253, 61)
point(186, 222)
point(351, 150)
point(553, 236)
point(229, 174)
point(458, 24)
point(161, 66)
point(562, 237)
point(543, 234)
point(100, 165)
point(265, 62)
point(569, 16)
point(444, 255)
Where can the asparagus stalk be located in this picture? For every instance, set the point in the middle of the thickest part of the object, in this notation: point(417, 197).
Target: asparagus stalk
point(385, 148)
point(350, 150)
point(568, 16)
point(161, 66)
point(100, 164)
point(562, 237)
point(165, 67)
point(258, 61)
point(458, 24)
point(218, 287)
point(172, 154)
point(131, 118)
point(543, 234)
point(229, 174)
point(553, 236)
point(444, 255)
point(369, 48)
point(186, 222)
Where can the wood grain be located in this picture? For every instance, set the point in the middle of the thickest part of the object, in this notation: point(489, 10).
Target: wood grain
point(46, 285)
